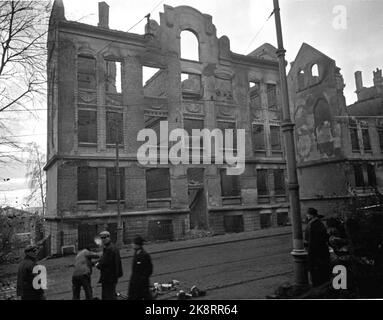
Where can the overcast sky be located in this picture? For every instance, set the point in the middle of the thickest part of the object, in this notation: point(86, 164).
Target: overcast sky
point(349, 31)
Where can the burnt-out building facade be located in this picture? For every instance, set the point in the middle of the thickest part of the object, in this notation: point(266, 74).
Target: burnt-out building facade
point(339, 147)
point(98, 99)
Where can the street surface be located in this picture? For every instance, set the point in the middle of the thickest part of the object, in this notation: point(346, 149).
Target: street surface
point(248, 269)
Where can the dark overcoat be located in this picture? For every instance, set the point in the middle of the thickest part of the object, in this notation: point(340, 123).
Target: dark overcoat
point(110, 264)
point(25, 278)
point(142, 269)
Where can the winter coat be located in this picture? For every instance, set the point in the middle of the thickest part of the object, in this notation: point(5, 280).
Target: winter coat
point(110, 264)
point(142, 269)
point(25, 278)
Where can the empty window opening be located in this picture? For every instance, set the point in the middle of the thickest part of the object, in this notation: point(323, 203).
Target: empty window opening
point(371, 175)
point(272, 96)
point(87, 183)
point(366, 139)
point(258, 137)
point(114, 127)
point(111, 189)
point(279, 182)
point(354, 136)
point(275, 138)
point(262, 182)
point(315, 70)
point(191, 85)
point(86, 74)
point(189, 46)
point(301, 79)
point(87, 126)
point(157, 183)
point(358, 174)
point(223, 125)
point(153, 81)
point(113, 76)
point(229, 185)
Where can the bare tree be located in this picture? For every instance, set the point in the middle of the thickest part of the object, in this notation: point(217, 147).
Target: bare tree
point(23, 31)
point(36, 175)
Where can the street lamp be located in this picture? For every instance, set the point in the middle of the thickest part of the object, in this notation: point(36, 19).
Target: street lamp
point(299, 253)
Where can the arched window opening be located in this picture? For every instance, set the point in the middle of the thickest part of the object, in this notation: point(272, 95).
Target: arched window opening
point(315, 71)
point(189, 46)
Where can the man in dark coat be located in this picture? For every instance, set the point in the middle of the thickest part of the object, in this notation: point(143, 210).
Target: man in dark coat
point(142, 269)
point(316, 241)
point(110, 268)
point(25, 276)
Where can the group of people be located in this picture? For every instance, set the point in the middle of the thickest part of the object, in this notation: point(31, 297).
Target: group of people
point(109, 264)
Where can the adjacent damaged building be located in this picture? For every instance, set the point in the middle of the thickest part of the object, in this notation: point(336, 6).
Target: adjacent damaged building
point(339, 147)
point(97, 99)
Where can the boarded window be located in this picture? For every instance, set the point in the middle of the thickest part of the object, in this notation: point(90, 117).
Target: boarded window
point(111, 188)
point(262, 182)
point(358, 173)
point(258, 137)
point(223, 125)
point(114, 127)
point(157, 183)
point(279, 182)
point(112, 76)
point(87, 126)
point(86, 75)
point(87, 183)
point(275, 138)
point(229, 185)
point(371, 175)
point(366, 139)
point(272, 96)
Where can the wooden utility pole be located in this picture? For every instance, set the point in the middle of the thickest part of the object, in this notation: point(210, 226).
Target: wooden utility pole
point(118, 191)
point(299, 253)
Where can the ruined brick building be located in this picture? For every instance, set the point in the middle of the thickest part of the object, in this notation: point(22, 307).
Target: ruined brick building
point(339, 147)
point(97, 98)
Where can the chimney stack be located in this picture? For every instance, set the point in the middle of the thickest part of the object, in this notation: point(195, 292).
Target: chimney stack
point(103, 15)
point(358, 80)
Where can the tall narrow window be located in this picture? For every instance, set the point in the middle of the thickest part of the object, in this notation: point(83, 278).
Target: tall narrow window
point(87, 126)
point(255, 97)
point(223, 126)
point(272, 96)
point(279, 182)
point(258, 137)
point(354, 136)
point(275, 138)
point(189, 46)
point(157, 183)
point(87, 183)
point(262, 182)
point(111, 188)
point(380, 135)
point(189, 125)
point(86, 74)
point(366, 139)
point(112, 76)
point(315, 71)
point(358, 174)
point(301, 80)
point(371, 175)
point(229, 185)
point(114, 127)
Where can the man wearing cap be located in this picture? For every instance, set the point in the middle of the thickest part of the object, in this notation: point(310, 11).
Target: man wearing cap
point(25, 276)
point(316, 242)
point(110, 267)
point(142, 269)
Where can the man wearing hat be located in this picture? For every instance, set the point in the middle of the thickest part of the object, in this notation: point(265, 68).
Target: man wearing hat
point(142, 269)
point(110, 267)
point(25, 276)
point(316, 242)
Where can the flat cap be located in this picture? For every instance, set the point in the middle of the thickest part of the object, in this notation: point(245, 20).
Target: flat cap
point(105, 233)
